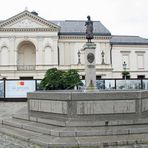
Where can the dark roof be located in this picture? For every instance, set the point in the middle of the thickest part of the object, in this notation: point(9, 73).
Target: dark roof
point(128, 40)
point(71, 27)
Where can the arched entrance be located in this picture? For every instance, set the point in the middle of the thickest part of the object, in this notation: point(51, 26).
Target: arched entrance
point(26, 56)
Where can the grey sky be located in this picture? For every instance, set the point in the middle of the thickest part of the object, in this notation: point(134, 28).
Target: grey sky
point(121, 17)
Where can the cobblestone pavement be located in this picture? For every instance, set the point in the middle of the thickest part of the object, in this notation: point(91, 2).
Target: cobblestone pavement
point(7, 109)
point(10, 142)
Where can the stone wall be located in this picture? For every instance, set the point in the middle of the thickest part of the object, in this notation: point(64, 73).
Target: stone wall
point(106, 104)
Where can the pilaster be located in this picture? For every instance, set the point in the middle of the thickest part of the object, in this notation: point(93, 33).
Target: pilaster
point(55, 52)
point(12, 51)
point(39, 52)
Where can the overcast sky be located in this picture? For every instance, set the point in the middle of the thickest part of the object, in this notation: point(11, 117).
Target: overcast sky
point(121, 17)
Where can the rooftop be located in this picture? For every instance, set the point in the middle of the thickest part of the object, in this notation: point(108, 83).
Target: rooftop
point(128, 40)
point(75, 27)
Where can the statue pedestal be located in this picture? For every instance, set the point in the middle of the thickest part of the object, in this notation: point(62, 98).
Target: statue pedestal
point(90, 66)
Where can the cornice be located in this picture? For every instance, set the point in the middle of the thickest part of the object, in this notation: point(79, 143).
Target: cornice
point(27, 30)
point(133, 46)
point(125, 51)
point(140, 52)
point(84, 37)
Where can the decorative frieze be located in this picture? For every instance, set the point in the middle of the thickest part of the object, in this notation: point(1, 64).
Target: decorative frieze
point(83, 37)
point(27, 30)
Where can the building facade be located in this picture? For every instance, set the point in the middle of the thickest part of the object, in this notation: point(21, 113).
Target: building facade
point(29, 45)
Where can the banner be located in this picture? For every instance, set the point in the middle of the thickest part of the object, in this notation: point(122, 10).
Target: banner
point(19, 88)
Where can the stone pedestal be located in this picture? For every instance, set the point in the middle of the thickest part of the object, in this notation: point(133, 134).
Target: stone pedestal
point(91, 106)
point(90, 66)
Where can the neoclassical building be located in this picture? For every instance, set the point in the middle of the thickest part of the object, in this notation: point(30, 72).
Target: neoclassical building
point(29, 45)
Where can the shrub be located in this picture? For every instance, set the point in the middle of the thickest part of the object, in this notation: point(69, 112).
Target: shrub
point(57, 79)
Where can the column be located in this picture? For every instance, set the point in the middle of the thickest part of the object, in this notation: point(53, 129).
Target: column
point(90, 66)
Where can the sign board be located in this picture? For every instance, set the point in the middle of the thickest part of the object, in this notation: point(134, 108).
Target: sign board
point(19, 88)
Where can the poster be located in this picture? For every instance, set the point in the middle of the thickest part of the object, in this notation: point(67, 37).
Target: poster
point(1, 89)
point(19, 88)
point(109, 84)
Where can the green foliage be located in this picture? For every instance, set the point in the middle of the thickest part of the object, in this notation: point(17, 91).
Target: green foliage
point(71, 78)
point(57, 79)
point(125, 73)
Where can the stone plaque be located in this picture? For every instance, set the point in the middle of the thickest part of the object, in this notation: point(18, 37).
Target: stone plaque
point(90, 57)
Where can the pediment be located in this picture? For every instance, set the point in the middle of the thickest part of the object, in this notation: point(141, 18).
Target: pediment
point(29, 21)
point(26, 23)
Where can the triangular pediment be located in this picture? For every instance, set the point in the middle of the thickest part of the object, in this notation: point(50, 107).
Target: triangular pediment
point(29, 21)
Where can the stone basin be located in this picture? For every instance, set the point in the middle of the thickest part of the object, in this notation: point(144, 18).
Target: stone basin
point(89, 106)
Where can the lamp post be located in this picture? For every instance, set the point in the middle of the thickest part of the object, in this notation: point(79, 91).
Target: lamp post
point(124, 68)
point(102, 54)
point(79, 53)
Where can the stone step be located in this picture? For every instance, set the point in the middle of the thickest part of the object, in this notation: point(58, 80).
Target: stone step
point(81, 123)
point(75, 131)
point(87, 141)
point(56, 122)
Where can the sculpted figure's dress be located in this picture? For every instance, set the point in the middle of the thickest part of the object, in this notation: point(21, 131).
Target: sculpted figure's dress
point(89, 29)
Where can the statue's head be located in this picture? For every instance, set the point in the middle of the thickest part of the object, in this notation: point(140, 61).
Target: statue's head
point(88, 17)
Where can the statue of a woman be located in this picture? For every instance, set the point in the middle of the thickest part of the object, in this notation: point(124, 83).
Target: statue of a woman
point(89, 29)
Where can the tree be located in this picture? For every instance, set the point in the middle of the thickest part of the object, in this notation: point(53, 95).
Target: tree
point(57, 79)
point(125, 74)
point(52, 79)
point(71, 79)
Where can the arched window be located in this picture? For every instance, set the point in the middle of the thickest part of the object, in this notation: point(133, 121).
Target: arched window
point(26, 55)
point(4, 57)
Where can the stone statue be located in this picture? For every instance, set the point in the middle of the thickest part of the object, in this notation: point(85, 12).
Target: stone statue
point(89, 29)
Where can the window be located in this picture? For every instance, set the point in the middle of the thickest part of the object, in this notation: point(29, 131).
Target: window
point(26, 78)
point(140, 76)
point(140, 62)
point(127, 77)
point(126, 58)
point(83, 77)
point(140, 59)
point(4, 56)
point(98, 77)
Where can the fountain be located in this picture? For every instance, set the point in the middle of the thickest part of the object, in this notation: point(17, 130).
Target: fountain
point(95, 107)
point(80, 118)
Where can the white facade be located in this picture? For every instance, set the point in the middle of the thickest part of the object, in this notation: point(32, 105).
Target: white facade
point(29, 45)
point(135, 57)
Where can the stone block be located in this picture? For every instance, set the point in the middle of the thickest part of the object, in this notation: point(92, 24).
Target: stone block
point(105, 107)
point(48, 106)
point(144, 105)
point(105, 95)
point(48, 95)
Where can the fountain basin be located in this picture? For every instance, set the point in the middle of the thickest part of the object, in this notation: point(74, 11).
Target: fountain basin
point(104, 105)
